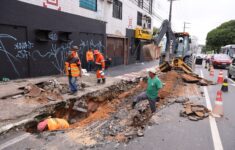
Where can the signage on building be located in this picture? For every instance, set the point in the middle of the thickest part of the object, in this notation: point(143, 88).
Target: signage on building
point(142, 34)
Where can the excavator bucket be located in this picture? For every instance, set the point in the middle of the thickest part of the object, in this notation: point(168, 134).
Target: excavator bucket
point(179, 63)
point(165, 66)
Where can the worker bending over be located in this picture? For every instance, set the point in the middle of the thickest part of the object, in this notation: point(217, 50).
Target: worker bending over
point(52, 124)
point(151, 94)
point(100, 66)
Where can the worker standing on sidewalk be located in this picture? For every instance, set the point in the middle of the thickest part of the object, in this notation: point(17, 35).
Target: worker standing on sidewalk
point(52, 124)
point(100, 66)
point(89, 59)
point(151, 94)
point(73, 69)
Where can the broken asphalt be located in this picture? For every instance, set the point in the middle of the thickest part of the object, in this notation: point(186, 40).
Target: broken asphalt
point(17, 110)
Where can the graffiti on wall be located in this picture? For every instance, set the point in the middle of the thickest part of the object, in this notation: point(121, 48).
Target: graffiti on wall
point(90, 44)
point(53, 4)
point(56, 53)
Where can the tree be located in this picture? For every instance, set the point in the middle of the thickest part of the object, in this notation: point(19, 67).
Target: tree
point(221, 36)
point(155, 30)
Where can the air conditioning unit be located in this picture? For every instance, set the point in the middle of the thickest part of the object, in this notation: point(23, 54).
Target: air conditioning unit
point(110, 1)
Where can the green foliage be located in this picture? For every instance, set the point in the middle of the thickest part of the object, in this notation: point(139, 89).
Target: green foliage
point(221, 36)
point(155, 30)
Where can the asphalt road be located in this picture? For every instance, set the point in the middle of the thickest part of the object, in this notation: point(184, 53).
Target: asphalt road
point(170, 133)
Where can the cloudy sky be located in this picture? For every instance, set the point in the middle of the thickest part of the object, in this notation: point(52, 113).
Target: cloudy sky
point(203, 15)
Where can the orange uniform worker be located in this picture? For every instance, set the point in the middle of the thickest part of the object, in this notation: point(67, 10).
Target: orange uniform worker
point(100, 66)
point(52, 124)
point(89, 59)
point(73, 69)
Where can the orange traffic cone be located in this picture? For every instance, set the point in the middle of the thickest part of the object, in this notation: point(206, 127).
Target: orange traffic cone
point(220, 77)
point(218, 110)
point(212, 72)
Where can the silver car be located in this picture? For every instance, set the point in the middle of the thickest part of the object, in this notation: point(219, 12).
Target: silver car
point(231, 69)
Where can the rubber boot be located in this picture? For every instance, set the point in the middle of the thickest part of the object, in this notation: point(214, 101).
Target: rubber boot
point(103, 80)
point(98, 81)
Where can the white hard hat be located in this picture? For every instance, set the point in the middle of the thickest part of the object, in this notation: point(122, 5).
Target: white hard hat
point(152, 70)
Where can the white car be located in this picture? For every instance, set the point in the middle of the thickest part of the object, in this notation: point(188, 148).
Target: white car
point(231, 69)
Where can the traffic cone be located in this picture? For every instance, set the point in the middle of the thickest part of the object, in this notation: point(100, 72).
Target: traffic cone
point(218, 110)
point(224, 87)
point(220, 77)
point(212, 72)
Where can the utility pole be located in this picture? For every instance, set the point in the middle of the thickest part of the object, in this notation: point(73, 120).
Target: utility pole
point(170, 11)
point(185, 23)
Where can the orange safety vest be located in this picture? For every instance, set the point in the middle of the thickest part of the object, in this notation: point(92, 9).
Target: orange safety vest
point(72, 69)
point(57, 124)
point(100, 60)
point(89, 56)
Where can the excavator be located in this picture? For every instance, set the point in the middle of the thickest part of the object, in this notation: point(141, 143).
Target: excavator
point(177, 54)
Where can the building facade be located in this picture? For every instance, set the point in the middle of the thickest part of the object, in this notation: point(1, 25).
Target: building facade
point(35, 35)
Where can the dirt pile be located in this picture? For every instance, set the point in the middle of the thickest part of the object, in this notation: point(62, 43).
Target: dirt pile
point(169, 79)
point(194, 112)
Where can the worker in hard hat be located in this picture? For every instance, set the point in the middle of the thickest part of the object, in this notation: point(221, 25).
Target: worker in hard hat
point(89, 59)
point(154, 84)
point(73, 69)
point(52, 124)
point(100, 66)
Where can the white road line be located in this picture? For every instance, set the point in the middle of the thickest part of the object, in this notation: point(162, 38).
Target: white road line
point(231, 81)
point(214, 129)
point(13, 141)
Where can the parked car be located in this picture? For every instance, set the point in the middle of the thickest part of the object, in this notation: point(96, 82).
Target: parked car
point(220, 60)
point(231, 69)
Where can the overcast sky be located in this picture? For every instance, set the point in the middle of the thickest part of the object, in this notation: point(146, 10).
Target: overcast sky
point(203, 15)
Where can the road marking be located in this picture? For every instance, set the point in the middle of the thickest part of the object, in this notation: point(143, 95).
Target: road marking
point(214, 129)
point(231, 81)
point(15, 140)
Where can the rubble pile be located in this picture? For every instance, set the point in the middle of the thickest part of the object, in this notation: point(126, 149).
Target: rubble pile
point(46, 91)
point(188, 78)
point(194, 112)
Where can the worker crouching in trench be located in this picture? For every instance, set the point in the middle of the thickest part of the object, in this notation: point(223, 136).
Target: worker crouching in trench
point(52, 124)
point(154, 84)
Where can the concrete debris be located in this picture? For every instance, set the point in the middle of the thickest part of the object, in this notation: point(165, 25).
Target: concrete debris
point(189, 79)
point(141, 114)
point(32, 90)
point(194, 112)
point(140, 133)
point(17, 96)
point(80, 109)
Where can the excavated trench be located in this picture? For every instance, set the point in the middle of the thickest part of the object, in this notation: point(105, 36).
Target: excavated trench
point(80, 111)
point(106, 115)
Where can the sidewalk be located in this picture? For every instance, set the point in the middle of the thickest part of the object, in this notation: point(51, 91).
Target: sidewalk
point(15, 112)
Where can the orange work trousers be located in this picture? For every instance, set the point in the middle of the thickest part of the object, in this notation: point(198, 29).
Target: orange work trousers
point(99, 75)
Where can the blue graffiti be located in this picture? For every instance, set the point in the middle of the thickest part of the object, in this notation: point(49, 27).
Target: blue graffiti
point(8, 55)
point(57, 54)
point(53, 36)
point(85, 45)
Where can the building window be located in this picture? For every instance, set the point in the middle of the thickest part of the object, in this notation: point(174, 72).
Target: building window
point(140, 3)
point(89, 4)
point(149, 23)
point(117, 9)
point(139, 18)
point(150, 6)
